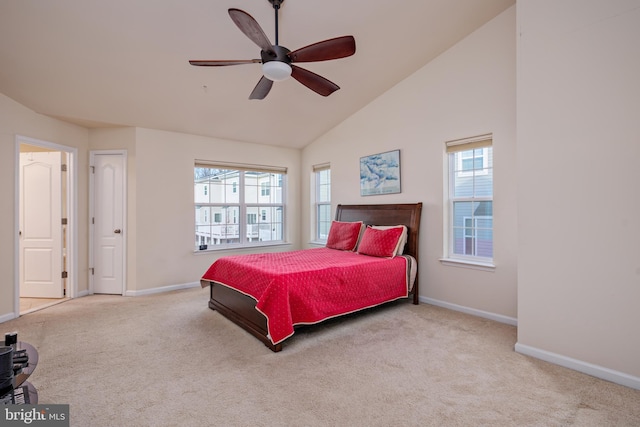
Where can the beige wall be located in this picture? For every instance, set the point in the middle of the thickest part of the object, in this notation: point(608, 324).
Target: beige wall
point(467, 91)
point(578, 200)
point(15, 120)
point(160, 221)
point(160, 216)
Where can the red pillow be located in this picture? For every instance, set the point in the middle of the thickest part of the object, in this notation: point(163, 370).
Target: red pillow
point(380, 243)
point(344, 235)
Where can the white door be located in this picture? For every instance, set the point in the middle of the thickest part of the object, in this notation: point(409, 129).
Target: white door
point(108, 223)
point(41, 225)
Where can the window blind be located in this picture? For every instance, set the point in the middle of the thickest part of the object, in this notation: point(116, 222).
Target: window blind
point(321, 167)
point(480, 141)
point(240, 166)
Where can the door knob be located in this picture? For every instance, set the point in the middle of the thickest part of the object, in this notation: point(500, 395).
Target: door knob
point(117, 231)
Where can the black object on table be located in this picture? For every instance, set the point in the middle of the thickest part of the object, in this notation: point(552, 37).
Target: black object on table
point(23, 391)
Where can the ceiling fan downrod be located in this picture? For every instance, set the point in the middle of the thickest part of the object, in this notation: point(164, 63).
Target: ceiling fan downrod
point(276, 6)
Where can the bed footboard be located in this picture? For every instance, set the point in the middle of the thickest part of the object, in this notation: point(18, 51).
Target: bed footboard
point(241, 310)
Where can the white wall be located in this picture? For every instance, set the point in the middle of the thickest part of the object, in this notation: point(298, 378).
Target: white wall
point(15, 119)
point(160, 221)
point(578, 199)
point(467, 91)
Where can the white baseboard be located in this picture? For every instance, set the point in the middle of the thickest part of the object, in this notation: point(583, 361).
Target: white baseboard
point(7, 317)
point(162, 289)
point(580, 366)
point(485, 314)
point(82, 294)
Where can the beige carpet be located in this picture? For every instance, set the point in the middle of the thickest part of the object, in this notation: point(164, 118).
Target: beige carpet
point(168, 360)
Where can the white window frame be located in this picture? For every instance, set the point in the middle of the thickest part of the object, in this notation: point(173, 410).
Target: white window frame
point(483, 142)
point(318, 201)
point(243, 209)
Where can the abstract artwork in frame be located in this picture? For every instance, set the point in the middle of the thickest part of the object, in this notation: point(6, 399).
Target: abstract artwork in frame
point(380, 173)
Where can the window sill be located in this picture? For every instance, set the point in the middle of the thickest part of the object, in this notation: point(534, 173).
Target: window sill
point(464, 263)
point(240, 248)
point(318, 243)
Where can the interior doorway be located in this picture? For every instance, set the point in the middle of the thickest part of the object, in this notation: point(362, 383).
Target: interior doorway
point(45, 222)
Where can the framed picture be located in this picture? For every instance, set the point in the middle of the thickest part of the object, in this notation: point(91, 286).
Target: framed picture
point(380, 173)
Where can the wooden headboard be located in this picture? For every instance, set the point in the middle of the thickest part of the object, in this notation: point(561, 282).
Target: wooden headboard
point(407, 214)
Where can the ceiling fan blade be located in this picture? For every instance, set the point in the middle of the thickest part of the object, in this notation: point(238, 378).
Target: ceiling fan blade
point(221, 63)
point(251, 28)
point(313, 81)
point(339, 47)
point(262, 88)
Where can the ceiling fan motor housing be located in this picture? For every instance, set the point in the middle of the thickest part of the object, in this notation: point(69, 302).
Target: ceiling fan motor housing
point(276, 64)
point(279, 53)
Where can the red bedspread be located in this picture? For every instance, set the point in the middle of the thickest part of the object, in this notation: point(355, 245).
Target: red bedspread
point(311, 285)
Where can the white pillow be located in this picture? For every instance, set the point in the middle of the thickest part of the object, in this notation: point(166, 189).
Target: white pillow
point(401, 241)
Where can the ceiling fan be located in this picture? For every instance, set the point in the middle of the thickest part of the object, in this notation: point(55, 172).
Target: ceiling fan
point(278, 61)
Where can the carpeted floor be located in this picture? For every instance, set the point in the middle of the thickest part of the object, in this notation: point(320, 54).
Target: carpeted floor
point(168, 360)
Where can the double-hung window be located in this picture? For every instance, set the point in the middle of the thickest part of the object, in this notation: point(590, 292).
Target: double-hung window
point(470, 199)
point(238, 205)
point(322, 175)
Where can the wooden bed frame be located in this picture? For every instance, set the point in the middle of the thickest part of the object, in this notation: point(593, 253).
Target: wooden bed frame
point(241, 309)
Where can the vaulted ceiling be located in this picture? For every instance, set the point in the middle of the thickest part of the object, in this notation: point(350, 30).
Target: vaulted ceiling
point(125, 62)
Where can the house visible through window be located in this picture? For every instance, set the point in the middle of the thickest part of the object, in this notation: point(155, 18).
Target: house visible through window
point(223, 195)
point(470, 199)
point(322, 175)
point(265, 189)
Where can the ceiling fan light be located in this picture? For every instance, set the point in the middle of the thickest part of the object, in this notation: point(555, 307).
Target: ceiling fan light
point(276, 70)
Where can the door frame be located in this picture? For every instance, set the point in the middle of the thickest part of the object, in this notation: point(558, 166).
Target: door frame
point(92, 155)
point(72, 215)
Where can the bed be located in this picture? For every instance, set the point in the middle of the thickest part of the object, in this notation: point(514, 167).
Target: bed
point(257, 292)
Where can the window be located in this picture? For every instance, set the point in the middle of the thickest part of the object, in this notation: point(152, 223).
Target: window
point(253, 193)
point(265, 189)
point(323, 217)
point(470, 199)
point(472, 159)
